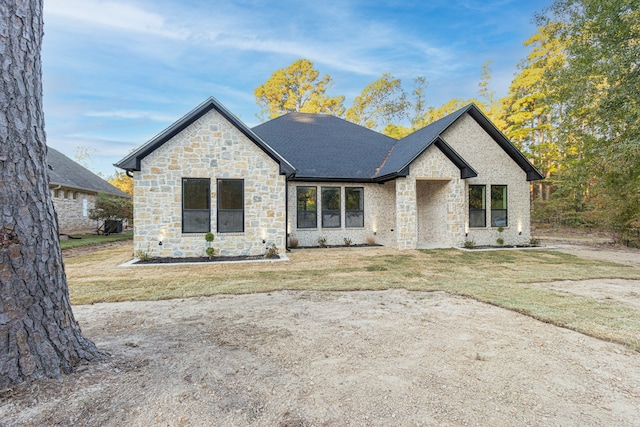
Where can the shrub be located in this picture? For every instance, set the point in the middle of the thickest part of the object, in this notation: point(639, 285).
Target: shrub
point(371, 240)
point(209, 237)
point(470, 244)
point(534, 241)
point(143, 255)
point(322, 241)
point(210, 252)
point(347, 241)
point(272, 252)
point(500, 241)
point(293, 242)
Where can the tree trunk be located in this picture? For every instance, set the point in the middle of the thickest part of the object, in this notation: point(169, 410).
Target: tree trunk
point(38, 333)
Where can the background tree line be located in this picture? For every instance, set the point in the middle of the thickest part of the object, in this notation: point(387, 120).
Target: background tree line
point(573, 108)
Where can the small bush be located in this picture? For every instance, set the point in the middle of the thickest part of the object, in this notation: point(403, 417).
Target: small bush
point(272, 252)
point(500, 241)
point(534, 241)
point(347, 241)
point(293, 242)
point(470, 244)
point(142, 255)
point(209, 237)
point(322, 241)
point(500, 229)
point(371, 240)
point(210, 252)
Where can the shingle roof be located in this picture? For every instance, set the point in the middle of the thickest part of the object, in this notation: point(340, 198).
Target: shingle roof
point(132, 161)
point(65, 172)
point(325, 147)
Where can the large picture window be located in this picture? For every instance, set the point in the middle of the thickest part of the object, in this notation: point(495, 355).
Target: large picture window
point(477, 206)
point(307, 207)
point(499, 206)
point(230, 206)
point(354, 207)
point(331, 207)
point(196, 205)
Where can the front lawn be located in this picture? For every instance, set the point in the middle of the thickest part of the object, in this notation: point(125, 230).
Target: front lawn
point(501, 278)
point(94, 239)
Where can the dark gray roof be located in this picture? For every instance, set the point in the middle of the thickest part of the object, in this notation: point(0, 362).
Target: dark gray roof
point(410, 147)
point(132, 161)
point(324, 147)
point(67, 173)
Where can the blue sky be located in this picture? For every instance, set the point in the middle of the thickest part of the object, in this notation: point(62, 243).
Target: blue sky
point(117, 72)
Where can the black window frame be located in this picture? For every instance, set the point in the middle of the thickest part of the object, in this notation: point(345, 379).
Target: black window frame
point(331, 211)
point(475, 210)
point(303, 213)
point(359, 211)
point(220, 227)
point(503, 211)
point(195, 211)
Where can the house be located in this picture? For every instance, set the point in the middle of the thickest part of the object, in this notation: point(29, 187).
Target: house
point(73, 190)
point(312, 175)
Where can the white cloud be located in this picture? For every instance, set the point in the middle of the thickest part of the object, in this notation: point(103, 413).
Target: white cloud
point(112, 14)
point(132, 115)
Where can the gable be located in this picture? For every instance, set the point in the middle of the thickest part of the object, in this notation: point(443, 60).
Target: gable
point(132, 162)
point(410, 147)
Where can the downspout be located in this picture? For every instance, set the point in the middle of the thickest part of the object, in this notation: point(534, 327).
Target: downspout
point(286, 213)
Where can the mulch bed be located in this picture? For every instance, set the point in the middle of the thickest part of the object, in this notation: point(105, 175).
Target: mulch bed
point(360, 245)
point(172, 260)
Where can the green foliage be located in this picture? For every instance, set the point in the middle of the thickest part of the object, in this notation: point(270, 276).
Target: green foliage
point(500, 241)
point(322, 241)
point(534, 241)
point(111, 207)
point(211, 252)
point(380, 103)
point(470, 244)
point(143, 255)
point(347, 241)
point(209, 237)
point(297, 87)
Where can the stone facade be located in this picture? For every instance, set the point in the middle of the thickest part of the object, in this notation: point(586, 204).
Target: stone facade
point(72, 209)
point(494, 167)
point(212, 148)
point(379, 215)
point(430, 203)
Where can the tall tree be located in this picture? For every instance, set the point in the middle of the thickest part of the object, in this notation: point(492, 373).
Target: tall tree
point(122, 181)
point(297, 87)
point(381, 102)
point(532, 111)
point(599, 88)
point(38, 333)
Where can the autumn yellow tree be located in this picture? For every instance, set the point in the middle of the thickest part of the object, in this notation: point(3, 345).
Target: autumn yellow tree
point(297, 88)
point(381, 103)
point(123, 182)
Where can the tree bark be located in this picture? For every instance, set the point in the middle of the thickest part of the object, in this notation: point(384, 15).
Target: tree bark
point(38, 334)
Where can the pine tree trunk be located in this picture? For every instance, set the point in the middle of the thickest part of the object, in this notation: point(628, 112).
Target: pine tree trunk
point(38, 333)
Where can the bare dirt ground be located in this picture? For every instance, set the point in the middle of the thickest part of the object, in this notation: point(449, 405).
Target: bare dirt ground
point(339, 358)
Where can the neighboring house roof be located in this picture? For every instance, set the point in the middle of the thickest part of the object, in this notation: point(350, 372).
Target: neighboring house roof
point(326, 148)
point(65, 172)
point(132, 161)
point(410, 147)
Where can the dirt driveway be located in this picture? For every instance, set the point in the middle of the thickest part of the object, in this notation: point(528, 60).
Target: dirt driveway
point(333, 359)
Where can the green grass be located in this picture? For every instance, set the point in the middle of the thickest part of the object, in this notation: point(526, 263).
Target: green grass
point(501, 278)
point(94, 239)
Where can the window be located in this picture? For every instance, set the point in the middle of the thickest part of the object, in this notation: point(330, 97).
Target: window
point(307, 215)
point(498, 205)
point(331, 207)
point(230, 206)
point(196, 205)
point(354, 207)
point(477, 206)
point(85, 207)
